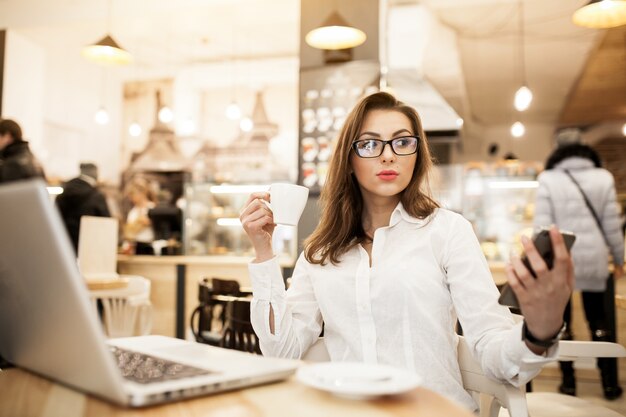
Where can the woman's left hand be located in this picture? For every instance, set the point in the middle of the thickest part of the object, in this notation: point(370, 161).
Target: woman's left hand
point(543, 299)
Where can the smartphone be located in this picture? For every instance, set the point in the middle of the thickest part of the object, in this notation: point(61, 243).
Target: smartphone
point(542, 242)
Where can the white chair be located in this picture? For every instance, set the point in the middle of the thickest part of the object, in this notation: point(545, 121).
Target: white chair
point(502, 399)
point(553, 404)
point(483, 389)
point(97, 248)
point(127, 311)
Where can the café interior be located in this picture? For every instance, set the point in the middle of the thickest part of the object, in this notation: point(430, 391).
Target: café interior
point(205, 102)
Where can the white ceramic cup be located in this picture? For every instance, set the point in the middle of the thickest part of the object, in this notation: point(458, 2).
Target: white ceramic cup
point(287, 202)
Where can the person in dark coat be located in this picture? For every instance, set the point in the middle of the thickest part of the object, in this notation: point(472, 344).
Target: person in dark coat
point(81, 197)
point(17, 162)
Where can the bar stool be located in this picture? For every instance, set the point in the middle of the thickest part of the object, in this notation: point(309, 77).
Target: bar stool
point(127, 311)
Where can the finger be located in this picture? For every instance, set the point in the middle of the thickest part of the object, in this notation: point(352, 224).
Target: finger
point(255, 196)
point(514, 282)
point(254, 205)
point(570, 273)
point(522, 273)
point(561, 255)
point(536, 261)
point(257, 214)
point(257, 225)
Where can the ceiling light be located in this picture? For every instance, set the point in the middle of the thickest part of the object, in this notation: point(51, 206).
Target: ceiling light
point(518, 130)
point(134, 129)
point(102, 116)
point(624, 129)
point(246, 124)
point(601, 14)
point(335, 33)
point(166, 115)
point(523, 98)
point(233, 112)
point(107, 51)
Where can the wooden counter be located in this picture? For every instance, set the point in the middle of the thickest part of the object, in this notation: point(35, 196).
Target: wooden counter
point(174, 279)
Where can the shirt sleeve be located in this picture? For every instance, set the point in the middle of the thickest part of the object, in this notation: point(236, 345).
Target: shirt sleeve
point(489, 328)
point(297, 317)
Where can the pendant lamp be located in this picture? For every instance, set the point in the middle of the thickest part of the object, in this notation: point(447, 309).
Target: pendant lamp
point(334, 34)
point(523, 96)
point(601, 14)
point(107, 51)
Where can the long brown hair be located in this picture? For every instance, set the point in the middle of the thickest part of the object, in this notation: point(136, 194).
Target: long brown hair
point(340, 227)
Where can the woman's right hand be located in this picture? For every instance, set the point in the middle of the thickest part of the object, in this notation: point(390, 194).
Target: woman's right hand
point(258, 223)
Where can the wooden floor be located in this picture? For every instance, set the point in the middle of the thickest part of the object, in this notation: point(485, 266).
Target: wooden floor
point(588, 382)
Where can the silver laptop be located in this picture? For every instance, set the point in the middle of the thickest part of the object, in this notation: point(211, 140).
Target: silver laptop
point(48, 325)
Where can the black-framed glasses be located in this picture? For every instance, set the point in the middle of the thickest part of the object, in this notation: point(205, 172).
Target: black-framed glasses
point(373, 148)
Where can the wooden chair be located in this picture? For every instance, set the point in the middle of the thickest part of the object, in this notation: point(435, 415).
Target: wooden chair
point(211, 312)
point(238, 332)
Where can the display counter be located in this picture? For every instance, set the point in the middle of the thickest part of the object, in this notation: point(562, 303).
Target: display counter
point(174, 279)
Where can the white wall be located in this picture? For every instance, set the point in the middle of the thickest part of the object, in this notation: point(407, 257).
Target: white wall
point(23, 92)
point(54, 93)
point(535, 145)
point(74, 90)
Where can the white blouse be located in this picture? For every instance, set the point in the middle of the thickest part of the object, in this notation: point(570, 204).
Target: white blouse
point(402, 310)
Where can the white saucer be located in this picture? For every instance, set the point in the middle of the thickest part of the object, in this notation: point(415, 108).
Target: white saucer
point(357, 380)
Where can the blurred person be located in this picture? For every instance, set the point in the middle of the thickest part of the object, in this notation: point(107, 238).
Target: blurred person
point(166, 221)
point(387, 271)
point(81, 197)
point(138, 228)
point(17, 162)
point(560, 201)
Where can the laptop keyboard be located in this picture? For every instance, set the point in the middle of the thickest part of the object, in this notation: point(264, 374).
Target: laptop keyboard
point(146, 369)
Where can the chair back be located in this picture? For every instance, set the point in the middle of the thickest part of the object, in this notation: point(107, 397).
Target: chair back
point(97, 248)
point(317, 352)
point(491, 394)
point(238, 332)
point(211, 312)
point(221, 286)
point(126, 311)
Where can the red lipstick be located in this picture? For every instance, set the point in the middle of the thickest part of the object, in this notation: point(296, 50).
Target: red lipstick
point(387, 175)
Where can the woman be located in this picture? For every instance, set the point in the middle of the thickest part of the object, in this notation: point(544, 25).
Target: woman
point(561, 202)
point(138, 227)
point(387, 271)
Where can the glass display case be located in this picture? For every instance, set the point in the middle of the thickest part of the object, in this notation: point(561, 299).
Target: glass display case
point(212, 226)
point(327, 95)
point(498, 199)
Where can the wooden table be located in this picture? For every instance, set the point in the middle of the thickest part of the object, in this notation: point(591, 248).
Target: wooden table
point(26, 395)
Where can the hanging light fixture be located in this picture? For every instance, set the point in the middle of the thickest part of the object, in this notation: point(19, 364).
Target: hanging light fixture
point(166, 115)
point(523, 96)
point(246, 124)
point(106, 50)
point(601, 14)
point(102, 116)
point(134, 129)
point(233, 112)
point(334, 34)
point(518, 130)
